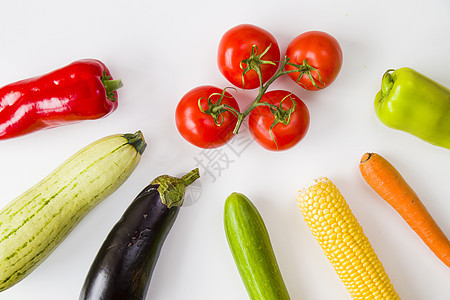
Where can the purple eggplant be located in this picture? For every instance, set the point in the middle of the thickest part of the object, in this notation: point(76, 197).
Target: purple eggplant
point(125, 262)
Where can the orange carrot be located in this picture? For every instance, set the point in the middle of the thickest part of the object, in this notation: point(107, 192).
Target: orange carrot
point(393, 188)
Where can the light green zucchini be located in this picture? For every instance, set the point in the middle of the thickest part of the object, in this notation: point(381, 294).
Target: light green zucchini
point(252, 250)
point(35, 223)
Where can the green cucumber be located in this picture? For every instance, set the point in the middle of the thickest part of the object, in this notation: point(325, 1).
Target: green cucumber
point(35, 223)
point(252, 250)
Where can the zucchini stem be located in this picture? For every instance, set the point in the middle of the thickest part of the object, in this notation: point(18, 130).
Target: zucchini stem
point(136, 140)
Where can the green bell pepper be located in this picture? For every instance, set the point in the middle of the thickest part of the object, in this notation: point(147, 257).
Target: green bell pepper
point(412, 102)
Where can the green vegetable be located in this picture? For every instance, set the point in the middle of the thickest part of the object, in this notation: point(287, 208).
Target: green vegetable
point(413, 103)
point(252, 250)
point(35, 223)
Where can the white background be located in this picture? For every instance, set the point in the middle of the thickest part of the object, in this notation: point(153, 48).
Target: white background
point(163, 49)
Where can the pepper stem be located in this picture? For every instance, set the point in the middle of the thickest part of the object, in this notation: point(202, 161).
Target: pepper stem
point(172, 189)
point(111, 85)
point(387, 82)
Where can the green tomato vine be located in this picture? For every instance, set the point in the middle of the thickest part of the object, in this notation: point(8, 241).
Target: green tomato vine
point(254, 62)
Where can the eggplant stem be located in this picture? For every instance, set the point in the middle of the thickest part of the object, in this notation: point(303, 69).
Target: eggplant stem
point(172, 189)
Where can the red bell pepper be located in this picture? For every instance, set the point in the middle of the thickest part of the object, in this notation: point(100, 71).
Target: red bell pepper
point(82, 90)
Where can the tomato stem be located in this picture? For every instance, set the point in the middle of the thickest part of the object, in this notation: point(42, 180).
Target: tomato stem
point(215, 110)
point(253, 63)
point(305, 69)
point(262, 90)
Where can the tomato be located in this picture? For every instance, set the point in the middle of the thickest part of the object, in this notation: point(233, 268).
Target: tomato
point(199, 128)
point(284, 136)
point(236, 45)
point(321, 51)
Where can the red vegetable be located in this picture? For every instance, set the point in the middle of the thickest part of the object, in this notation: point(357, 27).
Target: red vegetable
point(237, 45)
point(79, 91)
point(279, 129)
point(321, 52)
point(206, 130)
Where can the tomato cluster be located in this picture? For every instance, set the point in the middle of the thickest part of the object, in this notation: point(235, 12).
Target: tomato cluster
point(249, 58)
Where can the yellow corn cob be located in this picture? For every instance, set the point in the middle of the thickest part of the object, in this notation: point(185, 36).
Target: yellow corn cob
point(343, 241)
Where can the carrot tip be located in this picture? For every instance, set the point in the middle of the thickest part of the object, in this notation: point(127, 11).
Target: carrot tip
point(366, 157)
